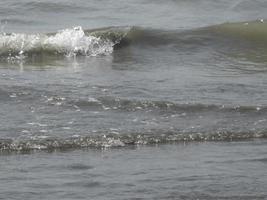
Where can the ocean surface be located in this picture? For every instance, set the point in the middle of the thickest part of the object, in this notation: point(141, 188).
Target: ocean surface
point(133, 99)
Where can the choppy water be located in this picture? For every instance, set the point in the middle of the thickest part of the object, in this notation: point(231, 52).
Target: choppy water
point(80, 77)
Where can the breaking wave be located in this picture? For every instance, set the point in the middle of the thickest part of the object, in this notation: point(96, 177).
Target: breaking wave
point(76, 41)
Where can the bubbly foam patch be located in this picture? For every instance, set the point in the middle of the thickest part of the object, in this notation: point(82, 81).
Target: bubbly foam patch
point(68, 42)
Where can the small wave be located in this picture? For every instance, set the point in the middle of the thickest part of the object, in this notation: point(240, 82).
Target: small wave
point(111, 140)
point(167, 106)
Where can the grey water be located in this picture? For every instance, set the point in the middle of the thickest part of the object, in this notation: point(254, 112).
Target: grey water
point(133, 99)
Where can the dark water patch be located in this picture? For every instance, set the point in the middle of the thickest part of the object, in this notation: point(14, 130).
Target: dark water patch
point(4, 95)
point(85, 184)
point(259, 160)
point(58, 7)
point(79, 166)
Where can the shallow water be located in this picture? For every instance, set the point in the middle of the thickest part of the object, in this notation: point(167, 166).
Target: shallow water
point(133, 75)
point(234, 170)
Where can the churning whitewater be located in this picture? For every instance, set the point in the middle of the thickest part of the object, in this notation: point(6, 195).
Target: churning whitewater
point(68, 42)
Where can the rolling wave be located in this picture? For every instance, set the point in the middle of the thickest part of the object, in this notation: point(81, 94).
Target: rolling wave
point(76, 41)
point(250, 31)
point(254, 31)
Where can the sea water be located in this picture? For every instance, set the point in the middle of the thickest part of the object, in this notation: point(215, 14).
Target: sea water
point(133, 99)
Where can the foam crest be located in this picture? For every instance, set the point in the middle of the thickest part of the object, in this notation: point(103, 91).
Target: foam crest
point(74, 41)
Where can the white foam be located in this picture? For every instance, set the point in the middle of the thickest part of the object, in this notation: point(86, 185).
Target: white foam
point(69, 42)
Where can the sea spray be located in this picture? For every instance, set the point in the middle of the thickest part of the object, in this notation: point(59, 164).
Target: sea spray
point(72, 42)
